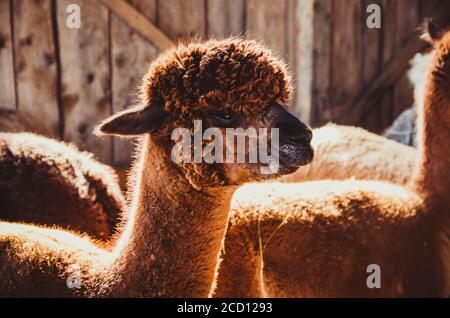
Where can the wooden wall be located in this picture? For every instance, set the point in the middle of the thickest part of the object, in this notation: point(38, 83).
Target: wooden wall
point(348, 56)
point(66, 80)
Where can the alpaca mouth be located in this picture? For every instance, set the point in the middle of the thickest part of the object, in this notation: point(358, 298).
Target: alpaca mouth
point(293, 156)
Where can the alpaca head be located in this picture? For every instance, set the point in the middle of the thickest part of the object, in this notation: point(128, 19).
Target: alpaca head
point(212, 91)
point(438, 85)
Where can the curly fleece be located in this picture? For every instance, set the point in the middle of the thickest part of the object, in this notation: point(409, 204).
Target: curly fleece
point(233, 74)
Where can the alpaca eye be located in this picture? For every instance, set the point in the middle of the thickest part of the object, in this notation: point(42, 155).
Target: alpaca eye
point(224, 118)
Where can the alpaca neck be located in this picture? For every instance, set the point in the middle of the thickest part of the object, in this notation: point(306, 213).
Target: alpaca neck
point(432, 176)
point(171, 245)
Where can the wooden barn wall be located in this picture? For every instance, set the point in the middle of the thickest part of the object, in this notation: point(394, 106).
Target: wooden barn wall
point(66, 80)
point(348, 56)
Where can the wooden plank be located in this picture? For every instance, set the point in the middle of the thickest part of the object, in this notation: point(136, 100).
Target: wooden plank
point(85, 76)
point(389, 28)
point(372, 40)
point(425, 7)
point(131, 55)
point(300, 51)
point(182, 18)
point(347, 58)
point(225, 18)
point(372, 63)
point(292, 50)
point(266, 21)
point(7, 87)
point(321, 85)
point(35, 64)
point(407, 19)
point(139, 22)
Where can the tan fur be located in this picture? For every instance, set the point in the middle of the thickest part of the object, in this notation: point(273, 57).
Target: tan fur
point(216, 75)
point(317, 239)
point(43, 181)
point(149, 260)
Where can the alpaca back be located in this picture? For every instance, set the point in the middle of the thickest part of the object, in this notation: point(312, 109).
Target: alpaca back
point(41, 262)
point(317, 239)
point(345, 152)
point(68, 188)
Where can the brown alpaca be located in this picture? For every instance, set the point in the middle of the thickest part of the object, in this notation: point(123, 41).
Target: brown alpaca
point(179, 212)
point(318, 239)
point(89, 201)
point(46, 182)
point(341, 152)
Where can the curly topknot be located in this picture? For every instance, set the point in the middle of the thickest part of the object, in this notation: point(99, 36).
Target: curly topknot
point(235, 74)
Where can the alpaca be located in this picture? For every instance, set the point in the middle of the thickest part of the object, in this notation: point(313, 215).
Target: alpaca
point(321, 238)
point(170, 243)
point(67, 187)
point(341, 152)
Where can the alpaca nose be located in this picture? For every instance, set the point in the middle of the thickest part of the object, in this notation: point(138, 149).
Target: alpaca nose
point(301, 136)
point(291, 128)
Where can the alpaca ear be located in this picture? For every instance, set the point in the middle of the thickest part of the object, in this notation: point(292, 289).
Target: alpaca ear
point(434, 32)
point(134, 121)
